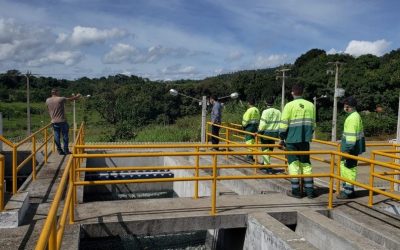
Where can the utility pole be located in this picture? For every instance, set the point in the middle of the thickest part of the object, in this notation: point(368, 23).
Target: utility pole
point(74, 116)
point(335, 100)
point(283, 85)
point(28, 105)
point(203, 119)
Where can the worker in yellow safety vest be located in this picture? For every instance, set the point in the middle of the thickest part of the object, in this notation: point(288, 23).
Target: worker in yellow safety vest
point(296, 131)
point(269, 126)
point(353, 143)
point(250, 121)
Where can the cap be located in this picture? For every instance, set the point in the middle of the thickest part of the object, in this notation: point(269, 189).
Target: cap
point(269, 101)
point(351, 101)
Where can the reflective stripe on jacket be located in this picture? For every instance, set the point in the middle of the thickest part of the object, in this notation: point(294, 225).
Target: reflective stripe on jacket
point(353, 140)
point(251, 116)
point(297, 121)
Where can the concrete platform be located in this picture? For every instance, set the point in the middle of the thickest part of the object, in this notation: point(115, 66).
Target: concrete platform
point(257, 205)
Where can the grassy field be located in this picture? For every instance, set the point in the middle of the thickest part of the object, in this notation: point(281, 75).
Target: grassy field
point(15, 124)
point(185, 129)
point(15, 119)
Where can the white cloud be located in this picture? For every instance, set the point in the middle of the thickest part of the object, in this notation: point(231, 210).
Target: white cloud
point(156, 53)
point(270, 61)
point(9, 31)
point(19, 43)
point(67, 58)
point(126, 53)
point(333, 51)
point(7, 50)
point(179, 69)
point(234, 56)
point(88, 35)
point(358, 48)
point(120, 53)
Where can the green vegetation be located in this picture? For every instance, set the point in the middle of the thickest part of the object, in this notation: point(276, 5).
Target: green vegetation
point(132, 108)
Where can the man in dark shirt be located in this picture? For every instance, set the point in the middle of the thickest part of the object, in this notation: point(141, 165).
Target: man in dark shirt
point(216, 115)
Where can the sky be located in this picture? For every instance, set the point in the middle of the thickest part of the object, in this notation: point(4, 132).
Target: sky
point(186, 39)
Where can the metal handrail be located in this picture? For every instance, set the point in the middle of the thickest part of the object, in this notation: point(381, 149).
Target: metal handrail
point(393, 154)
point(229, 129)
point(35, 148)
point(52, 232)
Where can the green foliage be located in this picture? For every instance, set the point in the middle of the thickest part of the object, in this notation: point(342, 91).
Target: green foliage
point(123, 106)
point(378, 124)
point(185, 129)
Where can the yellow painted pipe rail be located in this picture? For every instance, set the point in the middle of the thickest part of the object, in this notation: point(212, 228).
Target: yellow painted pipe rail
point(53, 230)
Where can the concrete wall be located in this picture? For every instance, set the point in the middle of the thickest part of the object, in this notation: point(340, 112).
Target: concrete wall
point(265, 232)
point(325, 233)
point(186, 188)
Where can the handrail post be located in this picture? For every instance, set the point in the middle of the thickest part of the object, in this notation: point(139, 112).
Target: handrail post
point(331, 180)
point(214, 187)
point(33, 157)
point(206, 125)
point(74, 174)
point(45, 146)
point(196, 183)
point(371, 180)
point(338, 170)
point(227, 142)
point(394, 176)
point(14, 170)
point(2, 183)
point(255, 149)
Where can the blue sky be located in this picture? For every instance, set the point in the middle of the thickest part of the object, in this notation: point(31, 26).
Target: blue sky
point(186, 39)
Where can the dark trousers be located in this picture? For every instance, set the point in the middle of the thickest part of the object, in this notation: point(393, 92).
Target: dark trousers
point(299, 146)
point(215, 132)
point(61, 128)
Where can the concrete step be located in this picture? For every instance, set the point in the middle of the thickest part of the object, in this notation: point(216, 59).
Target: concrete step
point(379, 227)
point(388, 205)
point(325, 233)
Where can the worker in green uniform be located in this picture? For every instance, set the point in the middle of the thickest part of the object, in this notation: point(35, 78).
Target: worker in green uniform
point(353, 143)
point(250, 121)
point(269, 126)
point(296, 131)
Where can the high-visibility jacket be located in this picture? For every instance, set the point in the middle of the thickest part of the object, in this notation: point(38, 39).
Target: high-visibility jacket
point(269, 122)
point(251, 116)
point(353, 140)
point(297, 121)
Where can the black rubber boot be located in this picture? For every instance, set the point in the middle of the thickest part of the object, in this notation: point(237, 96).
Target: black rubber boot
point(295, 193)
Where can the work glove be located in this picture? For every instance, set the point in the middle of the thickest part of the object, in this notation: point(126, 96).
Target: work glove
point(282, 144)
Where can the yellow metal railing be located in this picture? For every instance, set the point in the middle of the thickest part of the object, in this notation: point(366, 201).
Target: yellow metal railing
point(35, 147)
point(393, 166)
point(234, 130)
point(2, 182)
point(53, 229)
